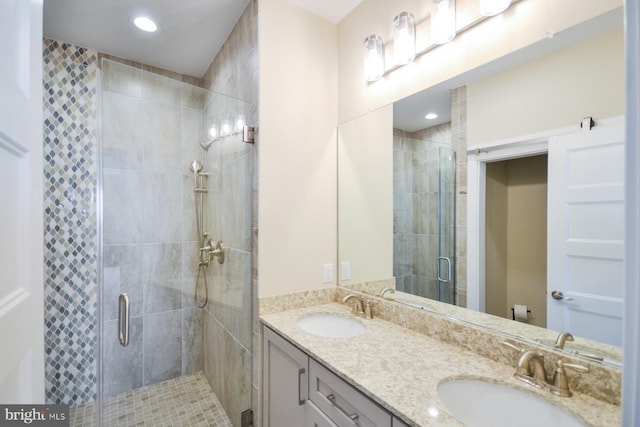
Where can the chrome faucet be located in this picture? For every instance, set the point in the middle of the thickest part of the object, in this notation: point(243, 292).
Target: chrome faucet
point(562, 338)
point(357, 308)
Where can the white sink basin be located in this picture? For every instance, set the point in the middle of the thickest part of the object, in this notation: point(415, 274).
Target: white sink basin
point(331, 325)
point(479, 403)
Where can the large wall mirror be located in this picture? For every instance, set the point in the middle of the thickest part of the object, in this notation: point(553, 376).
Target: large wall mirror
point(405, 184)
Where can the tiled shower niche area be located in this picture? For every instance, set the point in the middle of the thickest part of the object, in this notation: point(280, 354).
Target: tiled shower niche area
point(152, 127)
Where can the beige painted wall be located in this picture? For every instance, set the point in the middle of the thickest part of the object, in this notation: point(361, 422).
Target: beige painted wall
point(365, 195)
point(524, 23)
point(553, 92)
point(297, 142)
point(496, 242)
point(516, 238)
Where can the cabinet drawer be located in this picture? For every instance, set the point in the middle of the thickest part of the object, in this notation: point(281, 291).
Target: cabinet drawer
point(342, 403)
point(316, 418)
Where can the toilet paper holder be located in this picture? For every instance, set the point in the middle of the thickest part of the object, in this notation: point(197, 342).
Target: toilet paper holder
point(513, 313)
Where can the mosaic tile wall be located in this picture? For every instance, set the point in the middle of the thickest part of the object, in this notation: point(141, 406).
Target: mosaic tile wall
point(70, 136)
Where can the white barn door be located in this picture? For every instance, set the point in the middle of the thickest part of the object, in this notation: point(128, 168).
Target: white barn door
point(585, 270)
point(21, 238)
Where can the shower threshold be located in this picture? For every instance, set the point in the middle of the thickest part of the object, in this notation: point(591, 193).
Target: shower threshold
point(184, 401)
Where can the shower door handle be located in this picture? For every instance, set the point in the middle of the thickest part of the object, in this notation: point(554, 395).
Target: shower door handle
point(123, 319)
point(449, 269)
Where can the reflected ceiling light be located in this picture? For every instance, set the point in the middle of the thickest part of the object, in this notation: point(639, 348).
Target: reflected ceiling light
point(404, 39)
point(443, 21)
point(145, 24)
point(373, 58)
point(431, 116)
point(493, 7)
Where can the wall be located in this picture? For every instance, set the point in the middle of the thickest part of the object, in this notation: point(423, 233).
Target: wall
point(365, 198)
point(524, 24)
point(298, 116)
point(516, 240)
point(231, 314)
point(555, 91)
point(70, 80)
point(496, 242)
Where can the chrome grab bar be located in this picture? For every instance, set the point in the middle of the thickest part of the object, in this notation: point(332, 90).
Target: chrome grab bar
point(332, 398)
point(449, 269)
point(123, 319)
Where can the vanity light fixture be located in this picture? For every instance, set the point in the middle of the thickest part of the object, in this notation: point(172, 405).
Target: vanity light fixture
point(404, 38)
point(493, 7)
point(431, 116)
point(373, 58)
point(145, 23)
point(443, 21)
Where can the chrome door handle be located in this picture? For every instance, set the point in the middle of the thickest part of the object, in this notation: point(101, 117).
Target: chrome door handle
point(332, 398)
point(449, 269)
point(123, 319)
point(558, 295)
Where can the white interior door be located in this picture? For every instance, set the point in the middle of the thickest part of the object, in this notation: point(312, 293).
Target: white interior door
point(585, 270)
point(21, 238)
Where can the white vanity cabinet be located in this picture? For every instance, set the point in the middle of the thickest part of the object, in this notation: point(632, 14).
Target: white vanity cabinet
point(299, 391)
point(285, 382)
point(342, 403)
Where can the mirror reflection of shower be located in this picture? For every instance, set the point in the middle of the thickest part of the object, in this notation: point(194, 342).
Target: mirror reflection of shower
point(207, 247)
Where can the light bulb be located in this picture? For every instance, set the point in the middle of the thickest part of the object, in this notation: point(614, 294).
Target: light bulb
point(443, 21)
point(373, 58)
point(493, 7)
point(404, 40)
point(145, 24)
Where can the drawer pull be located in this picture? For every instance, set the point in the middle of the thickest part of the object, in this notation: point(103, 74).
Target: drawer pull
point(301, 372)
point(332, 398)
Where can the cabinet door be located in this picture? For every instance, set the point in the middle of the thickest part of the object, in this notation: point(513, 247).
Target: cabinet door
point(316, 418)
point(399, 423)
point(342, 403)
point(285, 382)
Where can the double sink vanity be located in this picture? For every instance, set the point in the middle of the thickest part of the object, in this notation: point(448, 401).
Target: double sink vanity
point(326, 363)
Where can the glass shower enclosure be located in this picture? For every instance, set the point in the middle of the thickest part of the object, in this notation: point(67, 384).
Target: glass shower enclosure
point(171, 326)
point(424, 194)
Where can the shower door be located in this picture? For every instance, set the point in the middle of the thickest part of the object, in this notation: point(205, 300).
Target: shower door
point(176, 348)
point(446, 224)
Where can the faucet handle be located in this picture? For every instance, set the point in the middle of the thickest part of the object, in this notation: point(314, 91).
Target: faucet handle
point(560, 381)
point(512, 346)
point(368, 308)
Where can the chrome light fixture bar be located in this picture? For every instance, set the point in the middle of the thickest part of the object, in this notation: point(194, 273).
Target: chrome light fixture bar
point(442, 28)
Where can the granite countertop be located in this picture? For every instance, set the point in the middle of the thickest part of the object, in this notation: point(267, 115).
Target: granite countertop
point(400, 369)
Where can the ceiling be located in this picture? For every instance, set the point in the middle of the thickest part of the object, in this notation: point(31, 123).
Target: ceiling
point(191, 31)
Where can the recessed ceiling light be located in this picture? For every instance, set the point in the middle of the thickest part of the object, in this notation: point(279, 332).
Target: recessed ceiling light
point(145, 24)
point(431, 116)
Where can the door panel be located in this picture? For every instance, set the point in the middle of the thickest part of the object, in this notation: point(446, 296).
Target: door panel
point(586, 234)
point(21, 272)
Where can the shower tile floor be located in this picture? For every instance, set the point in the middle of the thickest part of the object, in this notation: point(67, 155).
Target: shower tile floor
point(185, 401)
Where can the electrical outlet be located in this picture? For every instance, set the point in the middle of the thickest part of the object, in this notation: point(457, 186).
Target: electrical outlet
point(345, 271)
point(327, 273)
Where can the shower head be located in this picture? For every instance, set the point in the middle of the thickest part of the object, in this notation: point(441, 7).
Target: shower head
point(196, 166)
point(206, 144)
